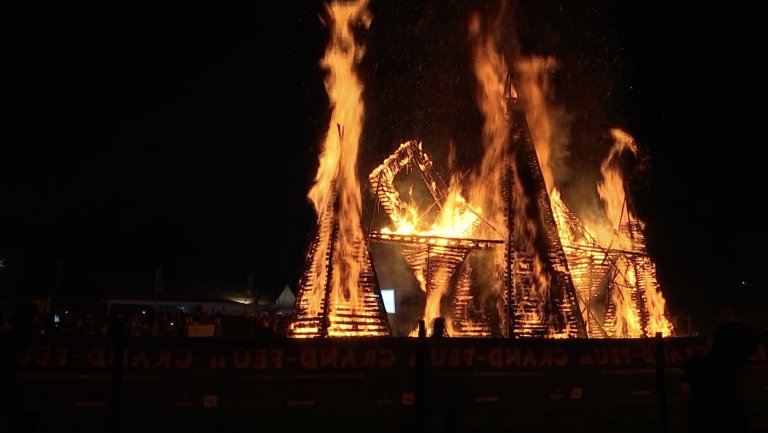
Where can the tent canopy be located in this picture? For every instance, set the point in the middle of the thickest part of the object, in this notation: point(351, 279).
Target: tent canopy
point(286, 299)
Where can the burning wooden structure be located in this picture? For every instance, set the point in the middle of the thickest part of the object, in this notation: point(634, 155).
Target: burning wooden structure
point(339, 293)
point(549, 274)
point(531, 253)
point(321, 310)
point(557, 279)
point(616, 284)
point(435, 250)
point(538, 298)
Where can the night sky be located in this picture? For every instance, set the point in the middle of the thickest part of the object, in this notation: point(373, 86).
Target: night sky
point(137, 136)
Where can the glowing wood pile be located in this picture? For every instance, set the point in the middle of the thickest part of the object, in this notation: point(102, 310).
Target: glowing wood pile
point(321, 309)
point(539, 299)
point(436, 249)
point(339, 294)
point(615, 279)
point(549, 274)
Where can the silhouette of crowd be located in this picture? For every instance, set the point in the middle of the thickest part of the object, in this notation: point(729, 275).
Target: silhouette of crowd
point(174, 323)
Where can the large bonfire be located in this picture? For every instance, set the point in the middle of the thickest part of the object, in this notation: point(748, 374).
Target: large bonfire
point(552, 275)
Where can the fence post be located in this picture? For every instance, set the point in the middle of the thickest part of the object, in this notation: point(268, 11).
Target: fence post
point(661, 386)
point(118, 354)
point(418, 397)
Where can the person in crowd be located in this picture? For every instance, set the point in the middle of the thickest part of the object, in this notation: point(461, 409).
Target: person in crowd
point(714, 402)
point(143, 324)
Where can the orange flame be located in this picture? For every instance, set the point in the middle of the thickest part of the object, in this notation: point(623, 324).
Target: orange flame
point(546, 121)
point(636, 307)
point(336, 190)
point(490, 71)
point(532, 280)
point(611, 189)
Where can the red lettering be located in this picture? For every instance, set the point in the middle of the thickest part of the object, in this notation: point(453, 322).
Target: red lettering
point(61, 356)
point(95, 357)
point(348, 359)
point(183, 359)
point(370, 359)
point(561, 358)
point(386, 358)
point(546, 358)
point(140, 357)
point(277, 358)
point(469, 357)
point(615, 356)
point(602, 356)
point(308, 358)
point(438, 357)
point(494, 357)
point(260, 358)
point(453, 357)
point(242, 361)
point(212, 362)
point(26, 357)
point(163, 360)
point(626, 356)
point(585, 359)
point(43, 356)
point(674, 355)
point(512, 356)
point(330, 357)
point(647, 354)
point(529, 358)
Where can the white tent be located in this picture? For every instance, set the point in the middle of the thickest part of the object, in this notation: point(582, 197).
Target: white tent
point(284, 302)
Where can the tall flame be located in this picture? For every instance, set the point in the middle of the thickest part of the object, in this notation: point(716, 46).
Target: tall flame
point(532, 280)
point(611, 189)
point(635, 306)
point(336, 190)
point(490, 71)
point(545, 132)
point(641, 272)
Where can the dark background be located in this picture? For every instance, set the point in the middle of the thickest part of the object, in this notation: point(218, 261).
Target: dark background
point(138, 135)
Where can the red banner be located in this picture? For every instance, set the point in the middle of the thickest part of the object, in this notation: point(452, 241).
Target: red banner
point(163, 373)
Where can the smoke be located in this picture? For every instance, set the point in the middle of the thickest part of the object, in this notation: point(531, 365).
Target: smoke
point(393, 272)
point(549, 122)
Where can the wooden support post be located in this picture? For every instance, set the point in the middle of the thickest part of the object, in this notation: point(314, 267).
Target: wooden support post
point(509, 289)
point(325, 320)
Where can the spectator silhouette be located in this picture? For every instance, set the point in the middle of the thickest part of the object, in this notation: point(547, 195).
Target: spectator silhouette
point(715, 403)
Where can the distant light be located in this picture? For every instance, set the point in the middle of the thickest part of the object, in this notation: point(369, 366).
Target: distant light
point(55, 318)
point(65, 311)
point(388, 296)
point(171, 323)
point(744, 283)
point(143, 312)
